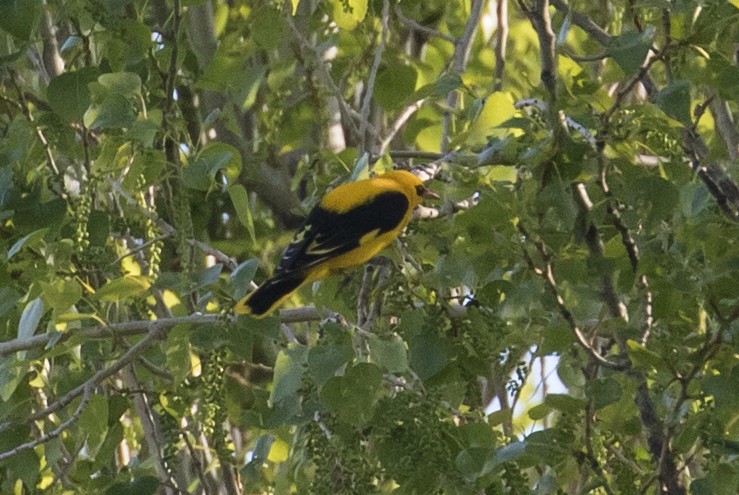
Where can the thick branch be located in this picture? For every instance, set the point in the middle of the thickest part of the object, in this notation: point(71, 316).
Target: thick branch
point(726, 126)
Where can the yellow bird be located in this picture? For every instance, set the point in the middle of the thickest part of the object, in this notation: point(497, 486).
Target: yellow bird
point(352, 224)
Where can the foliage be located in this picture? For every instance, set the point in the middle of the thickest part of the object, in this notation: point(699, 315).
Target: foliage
point(586, 158)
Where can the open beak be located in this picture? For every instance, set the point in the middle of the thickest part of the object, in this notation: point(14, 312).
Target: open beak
point(429, 194)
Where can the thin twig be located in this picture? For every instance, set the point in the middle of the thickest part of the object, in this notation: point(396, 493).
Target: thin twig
point(638, 77)
point(352, 116)
point(462, 47)
point(543, 107)
point(547, 274)
point(398, 123)
point(583, 22)
point(85, 389)
point(370, 88)
point(501, 43)
point(50, 161)
point(421, 28)
point(86, 397)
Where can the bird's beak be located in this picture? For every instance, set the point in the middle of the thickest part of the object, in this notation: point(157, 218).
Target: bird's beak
point(429, 194)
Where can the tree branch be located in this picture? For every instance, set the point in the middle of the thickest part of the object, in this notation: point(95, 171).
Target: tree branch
point(547, 274)
point(421, 28)
point(462, 47)
point(501, 43)
point(155, 332)
point(370, 89)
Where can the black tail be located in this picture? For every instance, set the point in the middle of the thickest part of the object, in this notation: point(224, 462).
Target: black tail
point(262, 301)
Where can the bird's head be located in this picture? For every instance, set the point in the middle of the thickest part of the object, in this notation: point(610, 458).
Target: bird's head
point(412, 184)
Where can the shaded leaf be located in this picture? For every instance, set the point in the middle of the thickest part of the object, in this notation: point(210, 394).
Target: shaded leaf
point(242, 276)
point(288, 374)
point(352, 397)
point(389, 353)
point(394, 85)
point(429, 354)
point(146, 485)
point(19, 17)
point(630, 49)
point(674, 100)
point(30, 239)
point(69, 95)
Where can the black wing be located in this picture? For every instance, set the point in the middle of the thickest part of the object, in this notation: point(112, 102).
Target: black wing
point(326, 234)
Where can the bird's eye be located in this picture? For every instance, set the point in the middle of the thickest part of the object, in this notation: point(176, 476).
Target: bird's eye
point(420, 190)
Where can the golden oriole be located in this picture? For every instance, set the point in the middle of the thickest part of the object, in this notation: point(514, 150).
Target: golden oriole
point(348, 227)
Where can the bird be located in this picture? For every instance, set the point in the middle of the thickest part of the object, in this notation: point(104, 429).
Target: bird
point(351, 225)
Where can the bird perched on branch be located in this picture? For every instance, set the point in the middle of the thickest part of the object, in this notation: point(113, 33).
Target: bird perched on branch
point(352, 224)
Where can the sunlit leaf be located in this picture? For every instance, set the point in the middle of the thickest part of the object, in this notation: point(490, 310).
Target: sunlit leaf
point(123, 288)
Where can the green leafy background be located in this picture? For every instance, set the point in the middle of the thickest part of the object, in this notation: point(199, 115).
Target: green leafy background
point(155, 157)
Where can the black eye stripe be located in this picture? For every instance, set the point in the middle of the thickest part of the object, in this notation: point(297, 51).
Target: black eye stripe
point(420, 190)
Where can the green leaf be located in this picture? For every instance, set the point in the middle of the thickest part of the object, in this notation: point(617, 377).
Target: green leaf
point(475, 462)
point(146, 485)
point(114, 112)
point(723, 75)
point(61, 294)
point(674, 100)
point(644, 358)
point(348, 13)
point(564, 403)
point(122, 288)
point(429, 354)
point(242, 276)
point(69, 95)
point(30, 318)
point(289, 370)
point(98, 227)
point(8, 299)
point(201, 172)
point(240, 200)
point(539, 412)
point(361, 168)
point(656, 195)
point(12, 373)
point(389, 353)
point(93, 423)
point(441, 87)
point(630, 49)
point(510, 452)
point(30, 239)
point(603, 391)
point(497, 108)
point(352, 397)
point(209, 276)
point(6, 186)
point(144, 130)
point(253, 79)
point(724, 388)
point(23, 466)
point(325, 359)
point(19, 17)
point(177, 352)
point(394, 85)
point(126, 84)
point(268, 28)
point(261, 449)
